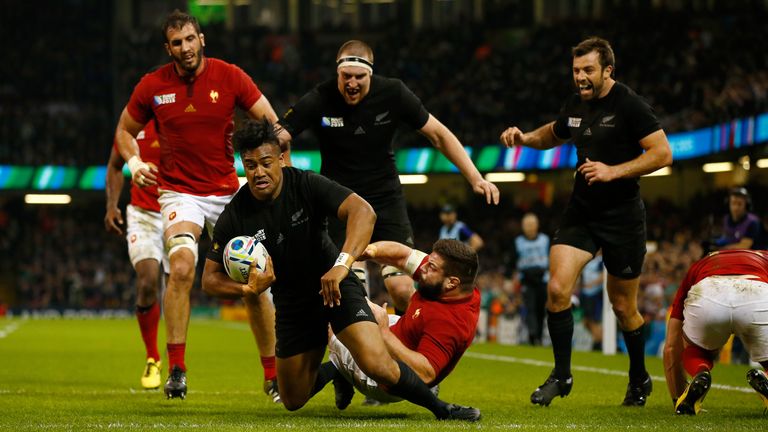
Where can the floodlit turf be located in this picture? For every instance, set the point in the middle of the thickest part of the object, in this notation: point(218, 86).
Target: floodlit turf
point(84, 375)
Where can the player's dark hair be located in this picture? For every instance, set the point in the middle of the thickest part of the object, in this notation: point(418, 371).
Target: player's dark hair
point(460, 261)
point(255, 133)
point(355, 48)
point(177, 20)
point(603, 48)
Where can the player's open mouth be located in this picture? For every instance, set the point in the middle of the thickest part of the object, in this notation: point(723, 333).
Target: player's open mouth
point(261, 184)
point(352, 91)
point(585, 87)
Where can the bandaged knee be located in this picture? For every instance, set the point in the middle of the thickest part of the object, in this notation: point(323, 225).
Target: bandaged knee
point(181, 241)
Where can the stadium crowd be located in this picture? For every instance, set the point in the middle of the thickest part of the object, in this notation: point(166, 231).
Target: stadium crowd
point(474, 77)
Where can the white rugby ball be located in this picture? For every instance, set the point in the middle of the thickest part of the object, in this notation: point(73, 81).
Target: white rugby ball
point(240, 252)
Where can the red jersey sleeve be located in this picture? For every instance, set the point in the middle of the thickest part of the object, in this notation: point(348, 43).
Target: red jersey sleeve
point(140, 104)
point(247, 93)
point(439, 344)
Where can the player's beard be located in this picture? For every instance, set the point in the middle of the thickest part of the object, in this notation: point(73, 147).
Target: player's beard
point(192, 68)
point(430, 291)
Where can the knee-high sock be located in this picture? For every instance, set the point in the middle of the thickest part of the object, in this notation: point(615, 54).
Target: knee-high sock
point(635, 341)
point(696, 359)
point(411, 388)
point(149, 320)
point(560, 326)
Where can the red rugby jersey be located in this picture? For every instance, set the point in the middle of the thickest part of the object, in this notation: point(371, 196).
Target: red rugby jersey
point(440, 330)
point(195, 121)
point(722, 263)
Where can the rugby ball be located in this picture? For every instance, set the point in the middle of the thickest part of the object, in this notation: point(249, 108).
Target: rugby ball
point(240, 252)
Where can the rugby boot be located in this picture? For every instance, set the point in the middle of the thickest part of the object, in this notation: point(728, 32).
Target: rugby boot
point(689, 403)
point(343, 392)
point(459, 412)
point(552, 387)
point(271, 390)
point(637, 393)
point(176, 385)
point(758, 380)
point(150, 379)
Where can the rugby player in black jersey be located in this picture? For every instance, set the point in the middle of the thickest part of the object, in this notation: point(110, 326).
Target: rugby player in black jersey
point(285, 208)
point(618, 139)
point(355, 117)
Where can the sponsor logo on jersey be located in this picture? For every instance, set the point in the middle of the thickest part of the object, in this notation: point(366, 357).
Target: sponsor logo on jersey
point(607, 121)
point(416, 314)
point(155, 144)
point(574, 121)
point(588, 132)
point(214, 96)
point(280, 238)
point(381, 119)
point(133, 238)
point(359, 131)
point(141, 135)
point(190, 108)
point(260, 235)
point(361, 313)
point(172, 216)
point(332, 122)
point(165, 99)
point(216, 246)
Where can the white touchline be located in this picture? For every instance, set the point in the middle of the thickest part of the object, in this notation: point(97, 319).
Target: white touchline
point(10, 328)
point(531, 362)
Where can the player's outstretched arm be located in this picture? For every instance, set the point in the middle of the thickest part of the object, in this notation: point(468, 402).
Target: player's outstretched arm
point(542, 138)
point(113, 219)
point(125, 137)
point(387, 253)
point(446, 142)
point(673, 366)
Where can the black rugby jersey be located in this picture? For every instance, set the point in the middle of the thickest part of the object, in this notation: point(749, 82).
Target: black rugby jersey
point(356, 141)
point(291, 228)
point(607, 130)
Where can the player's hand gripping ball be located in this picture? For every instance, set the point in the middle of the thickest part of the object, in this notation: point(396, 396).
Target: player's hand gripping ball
point(240, 252)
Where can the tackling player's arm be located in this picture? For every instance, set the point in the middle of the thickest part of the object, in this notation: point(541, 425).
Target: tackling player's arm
point(446, 142)
point(125, 134)
point(360, 218)
point(114, 185)
point(217, 283)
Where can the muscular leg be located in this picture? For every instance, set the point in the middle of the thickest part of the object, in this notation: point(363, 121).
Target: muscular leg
point(176, 299)
point(565, 265)
point(296, 377)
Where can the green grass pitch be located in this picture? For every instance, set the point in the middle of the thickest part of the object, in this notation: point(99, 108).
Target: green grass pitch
point(84, 375)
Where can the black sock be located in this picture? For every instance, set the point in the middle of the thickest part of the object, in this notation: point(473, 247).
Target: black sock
point(144, 309)
point(560, 326)
point(325, 374)
point(635, 341)
point(411, 388)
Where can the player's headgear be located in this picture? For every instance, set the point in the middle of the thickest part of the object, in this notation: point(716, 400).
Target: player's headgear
point(742, 192)
point(362, 62)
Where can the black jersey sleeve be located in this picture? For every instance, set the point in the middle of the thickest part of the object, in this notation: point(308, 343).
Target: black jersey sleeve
point(223, 232)
point(560, 128)
point(327, 195)
point(640, 117)
point(412, 111)
point(303, 114)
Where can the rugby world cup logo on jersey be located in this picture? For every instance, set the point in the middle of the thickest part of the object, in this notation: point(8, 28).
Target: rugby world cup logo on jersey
point(260, 235)
point(333, 122)
point(165, 99)
point(574, 122)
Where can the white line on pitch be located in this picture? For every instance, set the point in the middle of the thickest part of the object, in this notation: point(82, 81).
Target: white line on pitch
point(10, 328)
point(531, 362)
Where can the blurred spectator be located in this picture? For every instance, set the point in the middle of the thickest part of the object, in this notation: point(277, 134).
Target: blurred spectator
point(532, 249)
point(453, 228)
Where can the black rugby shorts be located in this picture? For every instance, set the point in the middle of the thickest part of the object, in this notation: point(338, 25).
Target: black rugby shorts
point(301, 324)
point(617, 229)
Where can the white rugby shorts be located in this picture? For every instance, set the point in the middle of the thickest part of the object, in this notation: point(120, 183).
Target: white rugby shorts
point(203, 211)
point(719, 306)
point(144, 234)
point(342, 359)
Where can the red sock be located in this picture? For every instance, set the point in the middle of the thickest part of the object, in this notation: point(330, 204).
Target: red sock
point(148, 323)
point(268, 363)
point(696, 359)
point(176, 356)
